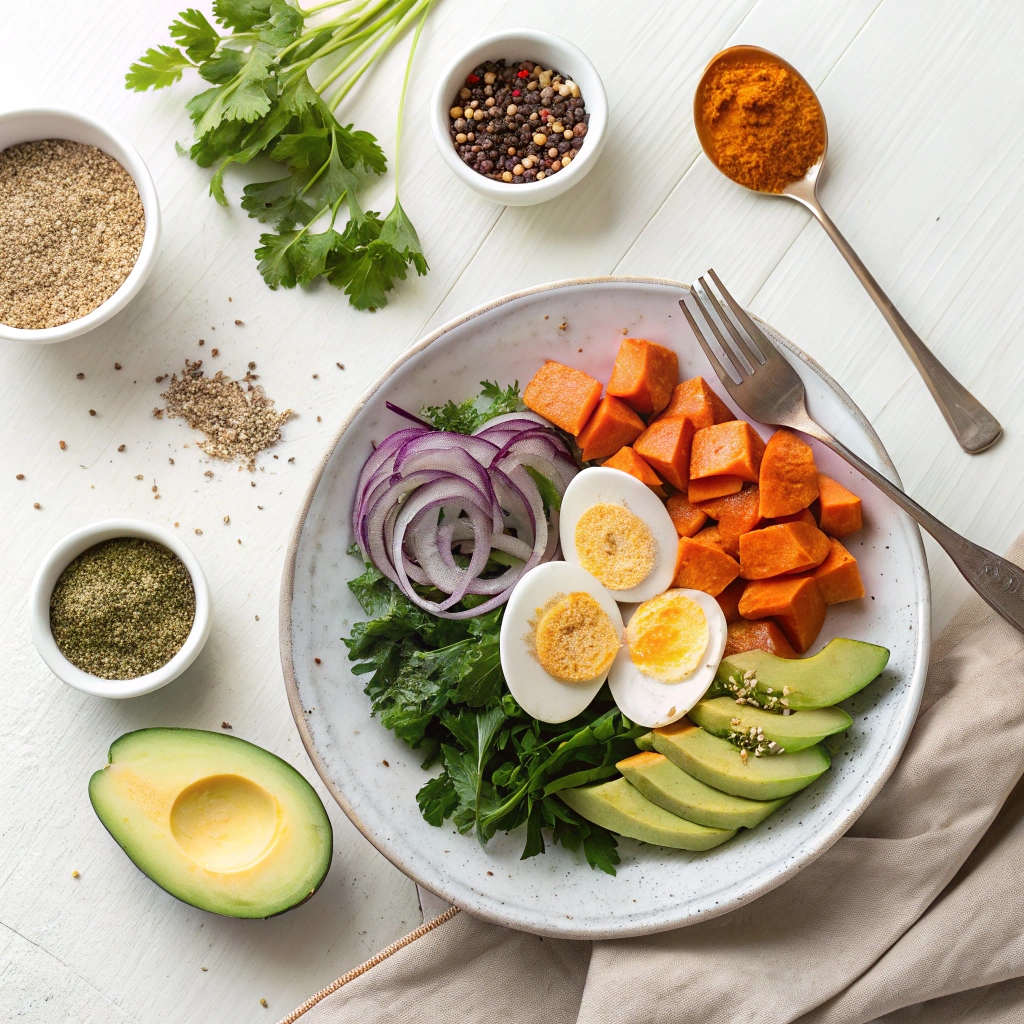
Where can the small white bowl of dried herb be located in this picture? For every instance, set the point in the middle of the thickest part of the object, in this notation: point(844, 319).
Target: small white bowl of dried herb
point(80, 223)
point(119, 608)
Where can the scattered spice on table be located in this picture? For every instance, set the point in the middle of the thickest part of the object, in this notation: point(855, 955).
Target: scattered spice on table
point(518, 123)
point(239, 422)
point(71, 228)
point(123, 608)
point(764, 123)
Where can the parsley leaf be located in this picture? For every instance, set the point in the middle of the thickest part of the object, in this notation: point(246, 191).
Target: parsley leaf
point(157, 68)
point(278, 202)
point(195, 34)
point(470, 415)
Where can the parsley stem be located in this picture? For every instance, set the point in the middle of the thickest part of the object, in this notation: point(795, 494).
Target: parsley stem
point(405, 86)
point(368, 25)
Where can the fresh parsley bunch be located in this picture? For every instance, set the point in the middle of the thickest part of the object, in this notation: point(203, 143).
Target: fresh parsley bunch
point(437, 684)
point(261, 101)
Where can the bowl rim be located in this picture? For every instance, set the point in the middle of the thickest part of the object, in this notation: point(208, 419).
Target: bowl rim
point(528, 193)
point(66, 551)
point(849, 815)
point(134, 164)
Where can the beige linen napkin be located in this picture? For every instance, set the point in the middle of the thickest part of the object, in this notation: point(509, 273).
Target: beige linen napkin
point(916, 914)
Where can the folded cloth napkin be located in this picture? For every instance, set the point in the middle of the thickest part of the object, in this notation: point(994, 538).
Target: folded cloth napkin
point(914, 915)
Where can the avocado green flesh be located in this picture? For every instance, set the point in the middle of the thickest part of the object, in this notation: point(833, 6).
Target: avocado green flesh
point(836, 672)
point(717, 763)
point(217, 822)
point(618, 806)
point(667, 785)
point(645, 742)
point(792, 732)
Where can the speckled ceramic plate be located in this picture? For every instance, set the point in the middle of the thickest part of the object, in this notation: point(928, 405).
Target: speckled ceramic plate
point(582, 323)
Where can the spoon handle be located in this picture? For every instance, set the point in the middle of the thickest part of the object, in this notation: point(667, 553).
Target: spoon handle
point(974, 427)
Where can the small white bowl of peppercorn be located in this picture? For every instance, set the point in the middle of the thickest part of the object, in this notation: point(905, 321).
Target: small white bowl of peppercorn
point(520, 116)
point(80, 220)
point(119, 608)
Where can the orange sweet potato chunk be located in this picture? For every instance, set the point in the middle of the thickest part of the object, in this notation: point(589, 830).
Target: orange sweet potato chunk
point(840, 509)
point(712, 487)
point(665, 446)
point(709, 535)
point(789, 479)
point(794, 601)
point(764, 635)
point(562, 394)
point(737, 514)
point(704, 567)
point(727, 449)
point(803, 516)
point(644, 375)
point(695, 401)
point(729, 600)
point(838, 577)
point(786, 548)
point(686, 518)
point(611, 426)
point(627, 461)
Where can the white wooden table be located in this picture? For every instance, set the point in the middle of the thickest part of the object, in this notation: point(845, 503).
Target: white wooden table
point(925, 163)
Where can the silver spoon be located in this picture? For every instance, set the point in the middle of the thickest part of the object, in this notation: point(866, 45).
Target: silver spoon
point(974, 427)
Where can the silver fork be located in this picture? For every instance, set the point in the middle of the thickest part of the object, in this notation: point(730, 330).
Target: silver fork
point(767, 388)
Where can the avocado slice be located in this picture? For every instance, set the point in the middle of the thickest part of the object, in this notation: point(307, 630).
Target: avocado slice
point(836, 672)
point(719, 763)
point(645, 741)
point(791, 732)
point(670, 787)
point(618, 806)
point(219, 823)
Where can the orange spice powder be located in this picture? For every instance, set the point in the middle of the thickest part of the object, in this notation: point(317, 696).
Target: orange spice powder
point(765, 124)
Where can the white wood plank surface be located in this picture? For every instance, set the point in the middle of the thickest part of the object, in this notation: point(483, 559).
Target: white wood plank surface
point(925, 160)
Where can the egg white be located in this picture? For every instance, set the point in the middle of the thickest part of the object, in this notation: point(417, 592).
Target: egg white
point(652, 703)
point(599, 485)
point(538, 692)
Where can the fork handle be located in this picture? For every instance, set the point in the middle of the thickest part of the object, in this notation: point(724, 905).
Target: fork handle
point(999, 582)
point(974, 427)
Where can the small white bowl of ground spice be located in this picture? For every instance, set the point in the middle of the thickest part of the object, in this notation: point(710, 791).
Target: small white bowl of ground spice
point(520, 116)
point(119, 608)
point(79, 224)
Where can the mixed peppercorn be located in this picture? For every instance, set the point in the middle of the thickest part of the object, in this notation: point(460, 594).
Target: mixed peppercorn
point(518, 123)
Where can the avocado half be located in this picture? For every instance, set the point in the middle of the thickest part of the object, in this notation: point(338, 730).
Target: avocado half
point(217, 822)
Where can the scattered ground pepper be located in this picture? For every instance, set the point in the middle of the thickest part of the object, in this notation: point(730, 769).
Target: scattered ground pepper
point(763, 123)
point(20, 476)
point(517, 123)
point(123, 608)
point(71, 228)
point(239, 422)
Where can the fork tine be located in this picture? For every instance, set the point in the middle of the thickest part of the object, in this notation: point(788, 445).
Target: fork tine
point(746, 350)
point(726, 378)
point(756, 335)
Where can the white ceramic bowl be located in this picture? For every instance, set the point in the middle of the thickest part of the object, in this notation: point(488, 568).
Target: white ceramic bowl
point(551, 52)
point(55, 123)
point(57, 560)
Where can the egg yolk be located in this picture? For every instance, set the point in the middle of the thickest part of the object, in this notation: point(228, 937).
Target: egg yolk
point(667, 636)
point(574, 639)
point(615, 545)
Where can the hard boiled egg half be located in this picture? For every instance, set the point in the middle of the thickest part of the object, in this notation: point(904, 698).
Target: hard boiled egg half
point(560, 634)
point(618, 530)
point(674, 643)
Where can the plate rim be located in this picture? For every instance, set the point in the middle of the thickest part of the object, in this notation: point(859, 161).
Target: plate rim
point(495, 916)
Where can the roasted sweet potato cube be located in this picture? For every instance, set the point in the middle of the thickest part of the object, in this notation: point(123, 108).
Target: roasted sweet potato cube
point(694, 400)
point(729, 600)
point(562, 394)
point(686, 518)
point(803, 516)
point(777, 550)
point(612, 425)
point(665, 446)
point(644, 375)
point(704, 567)
point(712, 487)
point(737, 514)
point(627, 461)
point(788, 477)
point(838, 577)
point(764, 635)
point(840, 510)
point(709, 535)
point(795, 602)
point(727, 449)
